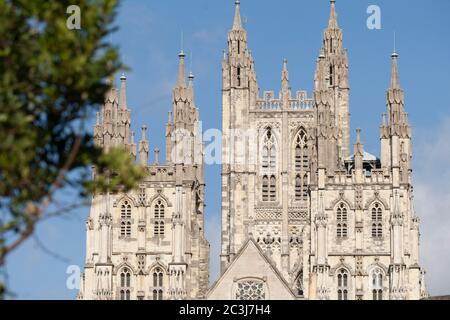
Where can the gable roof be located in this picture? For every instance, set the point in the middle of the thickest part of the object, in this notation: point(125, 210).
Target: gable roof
point(248, 245)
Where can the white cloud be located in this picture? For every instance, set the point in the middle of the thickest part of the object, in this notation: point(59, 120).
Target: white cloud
point(432, 195)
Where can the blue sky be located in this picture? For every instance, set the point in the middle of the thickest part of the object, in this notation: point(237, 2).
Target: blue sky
point(149, 39)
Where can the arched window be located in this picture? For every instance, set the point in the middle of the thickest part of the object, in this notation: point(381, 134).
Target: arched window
point(265, 188)
point(125, 284)
point(341, 221)
point(273, 188)
point(125, 220)
point(377, 221)
point(269, 188)
point(159, 214)
point(301, 162)
point(376, 284)
point(269, 152)
point(158, 283)
point(342, 284)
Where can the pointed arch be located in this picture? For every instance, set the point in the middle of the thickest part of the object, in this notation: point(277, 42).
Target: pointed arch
point(376, 198)
point(124, 264)
point(160, 195)
point(159, 212)
point(125, 220)
point(301, 164)
point(158, 275)
point(342, 212)
point(269, 149)
point(376, 220)
point(377, 277)
point(125, 197)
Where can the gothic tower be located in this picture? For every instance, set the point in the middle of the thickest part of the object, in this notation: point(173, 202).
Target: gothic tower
point(149, 243)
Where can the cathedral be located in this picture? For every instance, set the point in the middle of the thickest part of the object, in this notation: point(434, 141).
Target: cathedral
point(305, 216)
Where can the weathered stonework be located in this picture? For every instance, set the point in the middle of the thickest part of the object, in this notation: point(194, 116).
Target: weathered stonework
point(150, 243)
point(336, 225)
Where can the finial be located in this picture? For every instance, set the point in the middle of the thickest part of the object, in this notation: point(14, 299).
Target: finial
point(237, 24)
point(285, 61)
point(181, 70)
point(332, 24)
point(156, 156)
point(98, 118)
point(395, 83)
point(358, 135)
point(123, 93)
point(169, 116)
point(132, 137)
point(144, 133)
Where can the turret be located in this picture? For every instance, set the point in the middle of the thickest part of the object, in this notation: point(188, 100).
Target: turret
point(336, 73)
point(396, 132)
point(143, 148)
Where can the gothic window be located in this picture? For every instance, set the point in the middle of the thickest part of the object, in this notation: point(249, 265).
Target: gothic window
point(125, 284)
point(269, 152)
point(269, 188)
point(376, 284)
point(342, 281)
point(273, 188)
point(341, 220)
point(159, 211)
point(301, 162)
point(250, 290)
point(265, 188)
point(158, 284)
point(377, 221)
point(125, 220)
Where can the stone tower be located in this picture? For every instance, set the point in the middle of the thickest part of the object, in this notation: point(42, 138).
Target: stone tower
point(149, 244)
point(303, 216)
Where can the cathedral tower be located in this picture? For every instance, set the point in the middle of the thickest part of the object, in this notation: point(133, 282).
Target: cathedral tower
point(149, 243)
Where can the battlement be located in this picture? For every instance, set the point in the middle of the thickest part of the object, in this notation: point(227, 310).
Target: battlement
point(299, 102)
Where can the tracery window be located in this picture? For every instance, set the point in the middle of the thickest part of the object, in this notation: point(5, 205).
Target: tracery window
point(269, 188)
point(301, 166)
point(342, 284)
point(377, 221)
point(250, 290)
point(159, 212)
point(158, 284)
point(269, 152)
point(125, 219)
point(341, 221)
point(376, 284)
point(125, 284)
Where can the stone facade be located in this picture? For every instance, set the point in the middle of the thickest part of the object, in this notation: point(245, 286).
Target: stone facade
point(304, 214)
point(337, 225)
point(149, 243)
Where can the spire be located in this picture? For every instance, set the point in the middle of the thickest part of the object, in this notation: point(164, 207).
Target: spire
point(333, 24)
point(181, 70)
point(395, 83)
point(237, 24)
point(123, 93)
point(358, 136)
point(285, 73)
point(285, 90)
